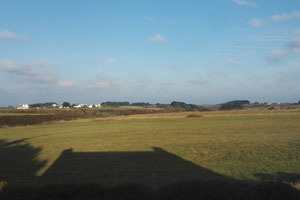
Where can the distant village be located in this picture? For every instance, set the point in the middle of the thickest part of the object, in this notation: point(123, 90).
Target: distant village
point(54, 105)
point(237, 104)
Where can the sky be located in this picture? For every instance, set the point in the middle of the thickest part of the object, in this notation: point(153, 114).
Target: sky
point(201, 52)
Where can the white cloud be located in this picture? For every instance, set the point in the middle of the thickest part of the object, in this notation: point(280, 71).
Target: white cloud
point(107, 61)
point(157, 38)
point(296, 50)
point(174, 68)
point(65, 83)
point(99, 84)
point(293, 48)
point(256, 22)
point(276, 55)
point(245, 3)
point(146, 79)
point(6, 65)
point(6, 34)
point(283, 17)
point(233, 62)
point(199, 80)
point(105, 82)
point(297, 32)
point(33, 73)
point(295, 45)
point(149, 18)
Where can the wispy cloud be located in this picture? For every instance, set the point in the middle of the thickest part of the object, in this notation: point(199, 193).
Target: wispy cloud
point(33, 73)
point(157, 38)
point(146, 79)
point(199, 80)
point(107, 61)
point(284, 17)
point(26, 71)
point(297, 33)
point(174, 68)
point(233, 62)
point(295, 45)
point(245, 3)
point(65, 83)
point(6, 34)
point(276, 55)
point(256, 22)
point(99, 84)
point(105, 82)
point(149, 18)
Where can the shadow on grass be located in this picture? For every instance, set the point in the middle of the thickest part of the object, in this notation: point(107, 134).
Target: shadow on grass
point(280, 177)
point(155, 174)
point(154, 168)
point(18, 162)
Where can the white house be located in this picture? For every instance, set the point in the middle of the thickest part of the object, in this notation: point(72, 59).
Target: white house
point(97, 105)
point(78, 106)
point(23, 107)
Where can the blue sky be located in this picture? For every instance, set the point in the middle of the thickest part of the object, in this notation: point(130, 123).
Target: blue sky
point(201, 52)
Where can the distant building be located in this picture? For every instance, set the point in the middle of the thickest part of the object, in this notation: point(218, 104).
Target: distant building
point(97, 105)
point(23, 107)
point(90, 106)
point(78, 106)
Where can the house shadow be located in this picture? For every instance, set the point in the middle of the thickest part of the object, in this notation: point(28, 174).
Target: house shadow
point(279, 177)
point(155, 174)
point(19, 165)
point(18, 162)
point(154, 168)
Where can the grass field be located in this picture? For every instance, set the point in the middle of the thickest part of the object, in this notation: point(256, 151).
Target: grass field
point(156, 149)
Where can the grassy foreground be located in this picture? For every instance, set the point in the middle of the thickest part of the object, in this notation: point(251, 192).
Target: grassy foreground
point(156, 149)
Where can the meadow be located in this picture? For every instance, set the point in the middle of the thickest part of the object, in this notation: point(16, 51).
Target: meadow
point(155, 149)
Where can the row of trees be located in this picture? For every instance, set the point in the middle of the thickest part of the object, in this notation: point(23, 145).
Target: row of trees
point(237, 104)
point(188, 107)
point(46, 105)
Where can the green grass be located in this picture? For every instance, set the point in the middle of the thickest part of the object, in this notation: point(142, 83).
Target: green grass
point(232, 144)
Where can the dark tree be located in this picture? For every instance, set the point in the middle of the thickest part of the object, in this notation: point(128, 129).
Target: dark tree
point(66, 104)
point(237, 104)
point(141, 104)
point(188, 107)
point(242, 102)
point(115, 104)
